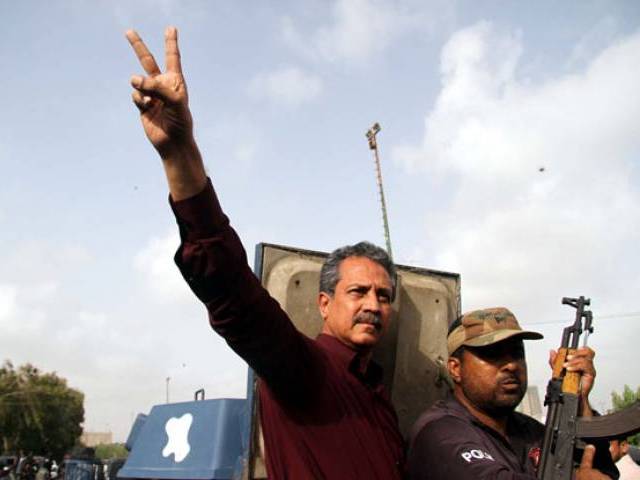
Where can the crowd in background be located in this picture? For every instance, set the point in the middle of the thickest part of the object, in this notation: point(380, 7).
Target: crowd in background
point(83, 466)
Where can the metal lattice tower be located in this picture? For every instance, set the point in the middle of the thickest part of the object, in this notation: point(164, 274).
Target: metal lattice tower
point(373, 145)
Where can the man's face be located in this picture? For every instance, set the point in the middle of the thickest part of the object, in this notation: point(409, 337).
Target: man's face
point(618, 449)
point(492, 378)
point(358, 313)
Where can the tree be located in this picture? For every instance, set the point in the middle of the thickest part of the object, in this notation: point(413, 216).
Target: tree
point(627, 398)
point(39, 413)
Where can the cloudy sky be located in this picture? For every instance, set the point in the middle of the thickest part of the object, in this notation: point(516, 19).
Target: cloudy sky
point(510, 145)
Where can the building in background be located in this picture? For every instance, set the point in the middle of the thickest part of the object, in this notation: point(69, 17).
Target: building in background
point(92, 439)
point(530, 404)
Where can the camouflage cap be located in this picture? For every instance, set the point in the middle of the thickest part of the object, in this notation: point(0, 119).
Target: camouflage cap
point(486, 327)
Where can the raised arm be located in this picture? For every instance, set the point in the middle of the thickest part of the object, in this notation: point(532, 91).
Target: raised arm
point(211, 257)
point(163, 102)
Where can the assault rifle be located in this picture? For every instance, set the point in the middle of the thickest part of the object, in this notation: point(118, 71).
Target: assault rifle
point(565, 432)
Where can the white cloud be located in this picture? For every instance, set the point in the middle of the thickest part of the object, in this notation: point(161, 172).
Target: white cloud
point(128, 15)
point(239, 139)
point(289, 86)
point(38, 258)
point(359, 30)
point(21, 310)
point(245, 153)
point(600, 35)
point(7, 301)
point(155, 262)
point(44, 291)
point(516, 232)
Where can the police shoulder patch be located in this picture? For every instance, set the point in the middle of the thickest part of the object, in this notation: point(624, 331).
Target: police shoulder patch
point(475, 454)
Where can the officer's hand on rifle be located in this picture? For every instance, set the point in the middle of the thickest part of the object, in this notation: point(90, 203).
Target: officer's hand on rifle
point(581, 362)
point(586, 470)
point(163, 102)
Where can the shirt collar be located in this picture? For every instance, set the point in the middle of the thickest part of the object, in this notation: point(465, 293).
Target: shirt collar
point(349, 358)
point(454, 404)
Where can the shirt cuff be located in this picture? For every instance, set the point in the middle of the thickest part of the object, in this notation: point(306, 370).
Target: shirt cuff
point(200, 216)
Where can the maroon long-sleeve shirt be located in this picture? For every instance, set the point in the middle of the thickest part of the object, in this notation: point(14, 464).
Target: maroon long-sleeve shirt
point(321, 418)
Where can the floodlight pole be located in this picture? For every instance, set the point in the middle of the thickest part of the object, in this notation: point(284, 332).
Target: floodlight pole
point(373, 145)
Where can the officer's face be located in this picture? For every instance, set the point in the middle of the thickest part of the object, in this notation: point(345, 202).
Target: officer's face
point(494, 378)
point(358, 313)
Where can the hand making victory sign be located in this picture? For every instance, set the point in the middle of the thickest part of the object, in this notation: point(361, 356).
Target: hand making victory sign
point(163, 102)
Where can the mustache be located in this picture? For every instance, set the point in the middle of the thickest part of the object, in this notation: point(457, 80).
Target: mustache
point(370, 318)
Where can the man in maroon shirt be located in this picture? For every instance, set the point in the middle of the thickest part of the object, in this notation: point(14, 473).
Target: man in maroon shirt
point(324, 412)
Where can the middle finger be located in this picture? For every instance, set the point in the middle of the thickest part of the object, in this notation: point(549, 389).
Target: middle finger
point(580, 365)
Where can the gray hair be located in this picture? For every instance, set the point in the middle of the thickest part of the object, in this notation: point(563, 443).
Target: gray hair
point(330, 272)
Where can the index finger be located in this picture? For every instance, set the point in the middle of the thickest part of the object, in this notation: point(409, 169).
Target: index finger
point(582, 352)
point(171, 51)
point(587, 352)
point(587, 457)
point(142, 52)
point(552, 357)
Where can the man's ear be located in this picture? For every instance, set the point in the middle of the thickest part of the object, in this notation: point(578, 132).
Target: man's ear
point(624, 448)
point(324, 304)
point(454, 365)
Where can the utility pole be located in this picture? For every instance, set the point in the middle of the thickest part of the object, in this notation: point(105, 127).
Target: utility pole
point(373, 145)
point(168, 379)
